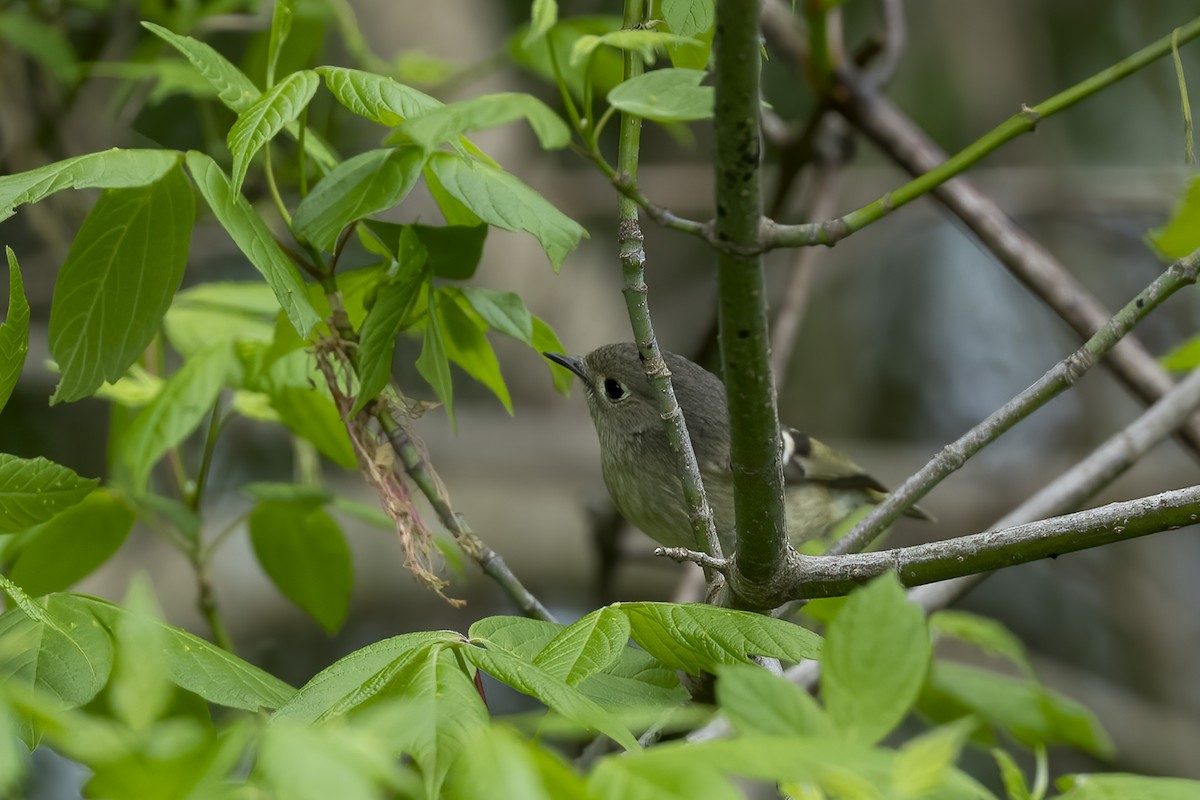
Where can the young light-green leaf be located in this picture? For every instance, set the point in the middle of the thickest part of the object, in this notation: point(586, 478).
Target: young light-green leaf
point(14, 331)
point(542, 17)
point(1181, 234)
point(467, 347)
point(311, 415)
point(449, 122)
point(502, 311)
point(988, 635)
point(757, 702)
point(377, 340)
point(545, 340)
point(1126, 787)
point(376, 97)
point(70, 546)
point(281, 26)
point(121, 273)
point(32, 490)
point(689, 17)
point(874, 662)
point(267, 116)
point(110, 169)
point(696, 637)
point(500, 199)
point(585, 647)
point(665, 95)
point(223, 311)
point(185, 401)
point(366, 184)
point(255, 240)
point(305, 554)
point(923, 762)
point(641, 41)
point(433, 363)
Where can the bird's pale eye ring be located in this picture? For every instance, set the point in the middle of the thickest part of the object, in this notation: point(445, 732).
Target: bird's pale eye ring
point(614, 390)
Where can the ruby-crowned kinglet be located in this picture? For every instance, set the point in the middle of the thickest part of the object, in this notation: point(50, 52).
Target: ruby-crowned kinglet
point(822, 486)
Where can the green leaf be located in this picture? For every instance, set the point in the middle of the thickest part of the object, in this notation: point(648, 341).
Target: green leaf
point(1014, 780)
point(637, 680)
point(1183, 358)
point(648, 776)
point(14, 756)
point(520, 636)
point(14, 331)
point(602, 71)
point(467, 346)
point(28, 34)
point(307, 763)
point(376, 97)
point(499, 199)
point(34, 490)
point(237, 92)
point(70, 546)
point(543, 16)
point(304, 553)
point(641, 41)
point(69, 659)
point(500, 765)
point(123, 268)
point(555, 693)
point(924, 761)
point(587, 646)
point(366, 184)
point(255, 240)
point(987, 634)
point(503, 311)
point(297, 493)
point(545, 340)
point(453, 251)
point(1029, 712)
point(433, 363)
point(141, 689)
point(449, 122)
point(377, 340)
point(356, 678)
point(312, 415)
point(1126, 787)
point(224, 311)
point(111, 169)
point(281, 26)
point(697, 637)
point(267, 116)
point(1181, 234)
point(665, 95)
point(215, 674)
point(757, 702)
point(185, 401)
point(689, 17)
point(875, 659)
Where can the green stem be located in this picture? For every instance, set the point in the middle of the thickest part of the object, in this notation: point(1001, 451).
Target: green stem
point(274, 190)
point(819, 63)
point(755, 446)
point(1024, 121)
point(215, 424)
point(633, 268)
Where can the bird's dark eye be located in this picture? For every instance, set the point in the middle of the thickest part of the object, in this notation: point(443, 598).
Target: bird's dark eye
point(613, 389)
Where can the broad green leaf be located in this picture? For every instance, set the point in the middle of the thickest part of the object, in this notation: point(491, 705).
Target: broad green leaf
point(366, 184)
point(987, 634)
point(349, 681)
point(665, 95)
point(111, 169)
point(545, 340)
point(376, 97)
point(645, 776)
point(924, 761)
point(497, 764)
point(520, 636)
point(135, 389)
point(312, 416)
point(69, 660)
point(636, 680)
point(555, 693)
point(255, 240)
point(467, 347)
point(697, 637)
point(434, 364)
point(1027, 711)
point(499, 199)
point(585, 647)
point(1015, 785)
point(124, 266)
point(14, 331)
point(454, 211)
point(14, 756)
point(602, 71)
point(185, 401)
point(689, 17)
point(1126, 787)
point(757, 702)
point(33, 490)
point(1183, 358)
point(211, 672)
point(641, 41)
point(70, 546)
point(377, 340)
point(449, 122)
point(503, 311)
point(1181, 234)
point(452, 251)
point(224, 311)
point(543, 16)
point(25, 32)
point(281, 26)
point(267, 116)
point(234, 89)
point(305, 554)
point(874, 662)
point(141, 689)
point(168, 77)
point(317, 763)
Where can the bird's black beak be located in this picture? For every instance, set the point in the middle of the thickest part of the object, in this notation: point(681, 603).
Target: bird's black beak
point(573, 364)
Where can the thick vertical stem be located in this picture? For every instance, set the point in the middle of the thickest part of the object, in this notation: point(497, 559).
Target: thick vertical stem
point(742, 315)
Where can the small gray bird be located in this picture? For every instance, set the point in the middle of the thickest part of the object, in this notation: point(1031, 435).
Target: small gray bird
point(822, 486)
